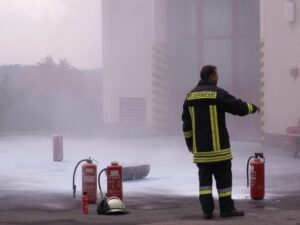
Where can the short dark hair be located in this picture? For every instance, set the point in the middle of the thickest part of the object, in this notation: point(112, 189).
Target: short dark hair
point(206, 71)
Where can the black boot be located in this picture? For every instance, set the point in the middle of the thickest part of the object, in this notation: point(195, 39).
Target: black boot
point(231, 213)
point(207, 215)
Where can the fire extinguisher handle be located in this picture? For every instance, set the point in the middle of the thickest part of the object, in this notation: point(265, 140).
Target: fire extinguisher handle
point(74, 190)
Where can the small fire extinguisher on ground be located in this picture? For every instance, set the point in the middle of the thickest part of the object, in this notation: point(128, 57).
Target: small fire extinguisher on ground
point(85, 203)
point(89, 179)
point(257, 176)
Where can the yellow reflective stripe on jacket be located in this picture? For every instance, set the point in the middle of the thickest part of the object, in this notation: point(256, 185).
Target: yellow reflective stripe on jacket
point(217, 128)
point(211, 153)
point(202, 95)
point(204, 160)
point(213, 158)
point(192, 114)
point(188, 134)
point(250, 107)
point(214, 127)
point(212, 124)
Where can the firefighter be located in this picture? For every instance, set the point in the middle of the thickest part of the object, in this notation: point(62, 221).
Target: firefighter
point(207, 138)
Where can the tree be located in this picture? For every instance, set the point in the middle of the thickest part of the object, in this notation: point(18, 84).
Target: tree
point(48, 62)
point(64, 64)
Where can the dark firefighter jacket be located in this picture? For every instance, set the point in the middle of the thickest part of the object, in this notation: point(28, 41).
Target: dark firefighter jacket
point(204, 124)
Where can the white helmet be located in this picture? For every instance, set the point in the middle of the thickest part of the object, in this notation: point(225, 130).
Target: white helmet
point(112, 205)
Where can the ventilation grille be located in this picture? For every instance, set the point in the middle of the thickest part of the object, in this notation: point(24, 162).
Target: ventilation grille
point(133, 110)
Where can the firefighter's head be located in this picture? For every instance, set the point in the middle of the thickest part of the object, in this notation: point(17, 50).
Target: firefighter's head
point(209, 73)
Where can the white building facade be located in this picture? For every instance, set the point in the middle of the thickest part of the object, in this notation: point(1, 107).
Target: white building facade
point(153, 51)
point(281, 36)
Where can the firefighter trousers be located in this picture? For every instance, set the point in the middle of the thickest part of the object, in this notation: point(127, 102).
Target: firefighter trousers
point(221, 171)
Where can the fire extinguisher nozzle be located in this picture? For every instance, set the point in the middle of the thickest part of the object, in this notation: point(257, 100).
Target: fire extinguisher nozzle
point(74, 190)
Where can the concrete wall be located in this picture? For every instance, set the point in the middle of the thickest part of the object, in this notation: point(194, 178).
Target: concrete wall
point(281, 54)
point(127, 39)
point(154, 49)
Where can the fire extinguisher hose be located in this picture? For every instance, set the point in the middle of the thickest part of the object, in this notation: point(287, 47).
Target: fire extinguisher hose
point(251, 157)
point(99, 185)
point(74, 186)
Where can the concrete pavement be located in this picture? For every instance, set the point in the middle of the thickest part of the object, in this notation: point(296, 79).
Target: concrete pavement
point(61, 209)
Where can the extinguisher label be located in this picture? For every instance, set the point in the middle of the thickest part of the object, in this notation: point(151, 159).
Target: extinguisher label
point(114, 172)
point(89, 179)
point(89, 170)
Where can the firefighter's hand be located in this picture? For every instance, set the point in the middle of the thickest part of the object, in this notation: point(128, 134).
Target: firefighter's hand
point(256, 109)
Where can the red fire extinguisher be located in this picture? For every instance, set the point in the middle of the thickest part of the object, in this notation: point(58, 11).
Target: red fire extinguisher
point(114, 180)
point(89, 179)
point(112, 202)
point(257, 176)
point(85, 203)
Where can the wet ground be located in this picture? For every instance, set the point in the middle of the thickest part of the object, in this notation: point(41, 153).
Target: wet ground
point(47, 209)
point(35, 190)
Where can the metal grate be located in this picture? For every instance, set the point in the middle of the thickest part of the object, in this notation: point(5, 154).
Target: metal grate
point(133, 110)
